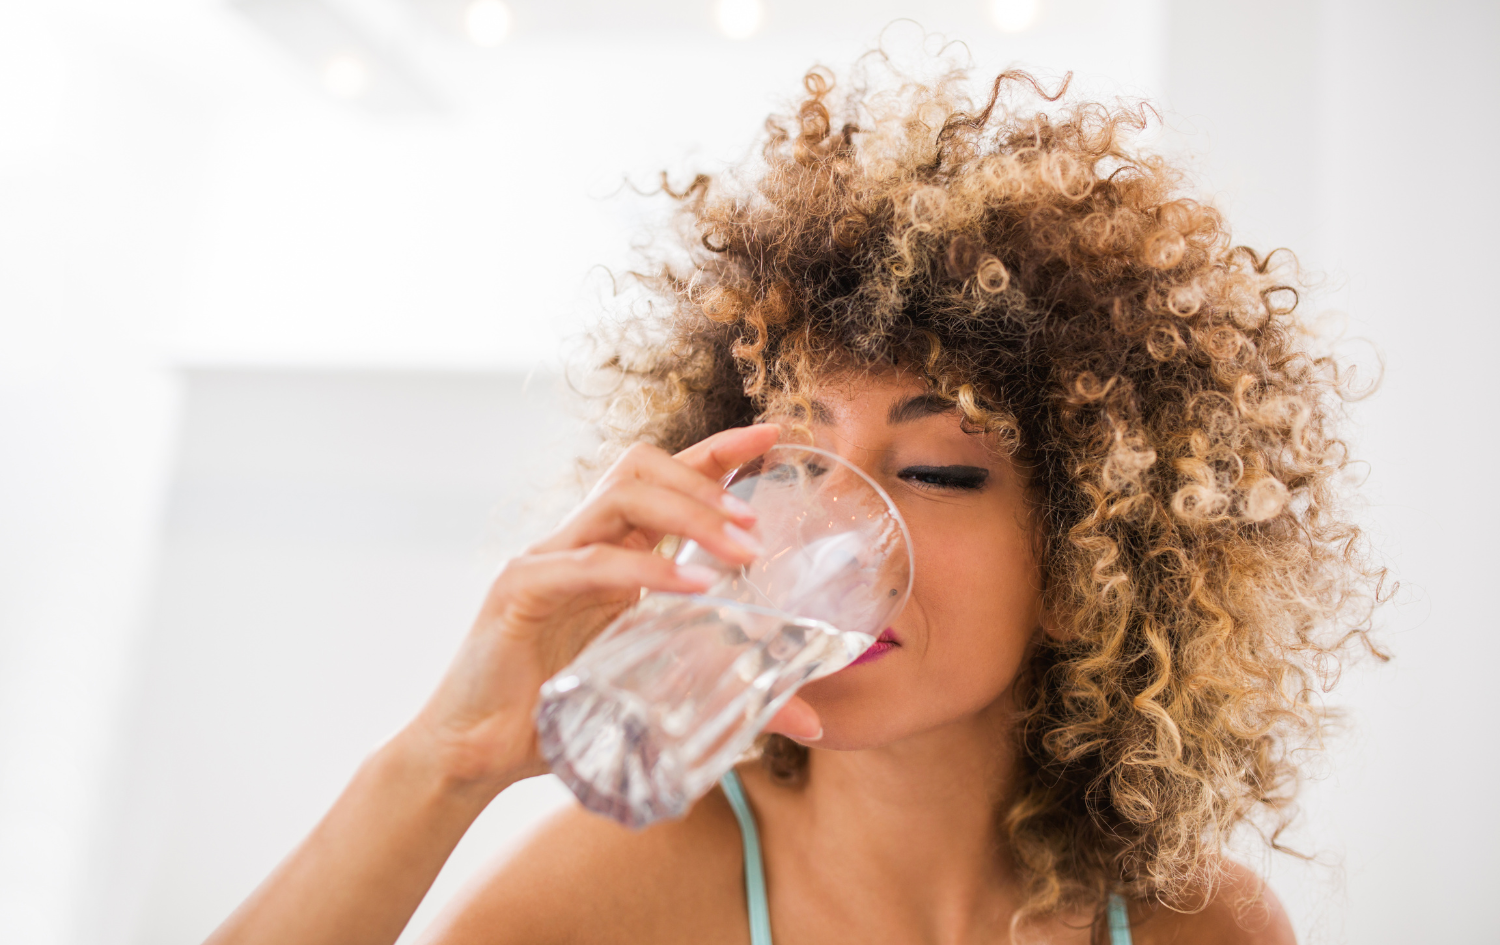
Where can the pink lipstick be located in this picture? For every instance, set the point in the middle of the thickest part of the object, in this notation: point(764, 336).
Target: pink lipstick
point(883, 645)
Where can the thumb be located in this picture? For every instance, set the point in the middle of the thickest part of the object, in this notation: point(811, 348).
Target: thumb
point(797, 720)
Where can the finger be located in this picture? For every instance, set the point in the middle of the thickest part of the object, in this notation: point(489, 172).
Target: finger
point(718, 454)
point(654, 465)
point(656, 510)
point(533, 585)
point(641, 463)
point(797, 720)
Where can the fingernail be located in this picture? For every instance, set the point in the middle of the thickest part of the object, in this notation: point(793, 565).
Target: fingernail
point(737, 506)
point(697, 574)
point(813, 738)
point(744, 539)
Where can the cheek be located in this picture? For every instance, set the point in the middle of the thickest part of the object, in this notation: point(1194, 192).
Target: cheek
point(973, 610)
point(977, 608)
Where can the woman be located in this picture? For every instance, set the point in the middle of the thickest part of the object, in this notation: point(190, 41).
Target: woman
point(1113, 447)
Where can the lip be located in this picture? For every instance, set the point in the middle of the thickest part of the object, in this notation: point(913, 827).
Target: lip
point(885, 643)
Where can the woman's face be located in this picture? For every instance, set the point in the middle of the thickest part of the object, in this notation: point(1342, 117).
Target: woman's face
point(975, 601)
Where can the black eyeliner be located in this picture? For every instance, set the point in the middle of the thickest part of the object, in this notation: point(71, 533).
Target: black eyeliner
point(953, 477)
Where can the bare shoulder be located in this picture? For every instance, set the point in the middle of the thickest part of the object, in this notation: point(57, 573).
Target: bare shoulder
point(581, 878)
point(1244, 911)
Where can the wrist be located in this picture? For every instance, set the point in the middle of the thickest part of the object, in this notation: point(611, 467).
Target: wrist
point(451, 769)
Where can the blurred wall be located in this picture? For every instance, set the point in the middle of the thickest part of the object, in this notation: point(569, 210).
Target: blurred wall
point(100, 166)
point(328, 539)
point(1354, 132)
point(263, 366)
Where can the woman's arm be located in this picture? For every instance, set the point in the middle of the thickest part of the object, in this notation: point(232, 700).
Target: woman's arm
point(360, 874)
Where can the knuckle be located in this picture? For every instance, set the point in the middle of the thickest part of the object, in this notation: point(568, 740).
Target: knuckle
point(607, 499)
point(638, 453)
point(510, 570)
point(620, 490)
point(511, 577)
point(591, 556)
point(532, 550)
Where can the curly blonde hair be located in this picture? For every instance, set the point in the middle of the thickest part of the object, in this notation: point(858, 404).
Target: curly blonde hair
point(1201, 569)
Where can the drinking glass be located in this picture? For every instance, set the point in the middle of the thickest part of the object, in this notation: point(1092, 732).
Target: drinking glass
point(665, 700)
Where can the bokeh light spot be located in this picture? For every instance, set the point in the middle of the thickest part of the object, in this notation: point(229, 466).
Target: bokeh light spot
point(1015, 16)
point(346, 76)
point(487, 22)
point(739, 19)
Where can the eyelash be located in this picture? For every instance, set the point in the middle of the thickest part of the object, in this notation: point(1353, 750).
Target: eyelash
point(959, 478)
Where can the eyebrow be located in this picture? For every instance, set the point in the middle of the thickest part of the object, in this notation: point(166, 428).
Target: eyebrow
point(917, 407)
point(903, 411)
point(820, 412)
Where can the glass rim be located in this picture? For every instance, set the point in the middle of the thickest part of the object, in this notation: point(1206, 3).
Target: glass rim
point(890, 505)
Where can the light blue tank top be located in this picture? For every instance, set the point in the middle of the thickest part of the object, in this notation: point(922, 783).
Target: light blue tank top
point(755, 874)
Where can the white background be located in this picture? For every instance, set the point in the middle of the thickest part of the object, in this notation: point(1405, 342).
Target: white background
point(279, 386)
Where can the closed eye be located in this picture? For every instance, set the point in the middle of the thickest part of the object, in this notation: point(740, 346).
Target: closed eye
point(958, 478)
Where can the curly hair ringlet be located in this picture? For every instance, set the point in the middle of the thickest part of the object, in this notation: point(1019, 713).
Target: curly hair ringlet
point(1021, 256)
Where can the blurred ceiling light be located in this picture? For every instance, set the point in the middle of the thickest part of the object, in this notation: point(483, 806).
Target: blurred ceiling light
point(739, 19)
point(345, 76)
point(487, 22)
point(1015, 16)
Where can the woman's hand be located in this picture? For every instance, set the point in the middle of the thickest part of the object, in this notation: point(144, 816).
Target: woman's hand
point(358, 877)
point(546, 604)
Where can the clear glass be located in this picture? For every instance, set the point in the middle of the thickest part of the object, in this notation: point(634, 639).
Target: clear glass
point(669, 695)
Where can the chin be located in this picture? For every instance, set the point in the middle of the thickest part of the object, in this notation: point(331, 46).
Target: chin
point(877, 704)
point(860, 712)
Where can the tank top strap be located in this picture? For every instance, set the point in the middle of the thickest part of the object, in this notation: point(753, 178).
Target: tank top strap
point(1119, 921)
point(755, 874)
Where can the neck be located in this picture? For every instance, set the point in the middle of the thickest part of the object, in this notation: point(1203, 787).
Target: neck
point(917, 820)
